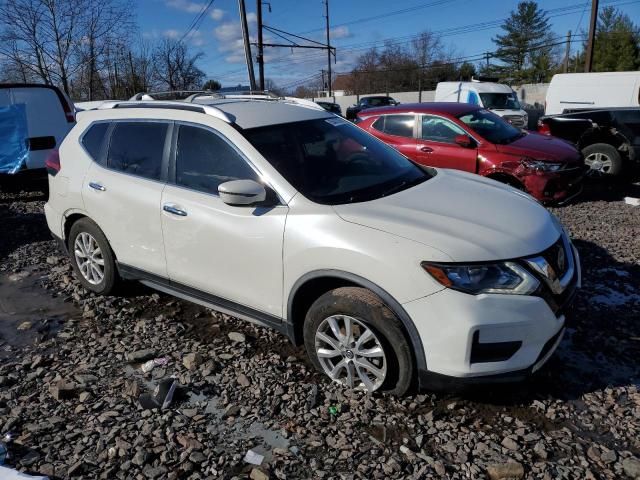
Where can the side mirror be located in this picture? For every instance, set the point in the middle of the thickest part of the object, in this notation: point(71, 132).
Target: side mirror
point(464, 141)
point(242, 192)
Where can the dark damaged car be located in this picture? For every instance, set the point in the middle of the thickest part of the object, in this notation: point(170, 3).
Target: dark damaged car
point(467, 137)
point(608, 138)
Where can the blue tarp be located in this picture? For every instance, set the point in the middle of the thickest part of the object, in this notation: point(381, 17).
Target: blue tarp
point(13, 138)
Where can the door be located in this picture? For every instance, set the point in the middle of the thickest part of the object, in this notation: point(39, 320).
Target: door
point(123, 196)
point(436, 146)
point(231, 252)
point(399, 132)
point(46, 119)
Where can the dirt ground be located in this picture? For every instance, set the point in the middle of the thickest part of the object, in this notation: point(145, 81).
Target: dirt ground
point(70, 379)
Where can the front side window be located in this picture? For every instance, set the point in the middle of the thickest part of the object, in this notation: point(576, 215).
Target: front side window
point(399, 125)
point(331, 161)
point(204, 160)
point(437, 129)
point(491, 126)
point(93, 140)
point(137, 148)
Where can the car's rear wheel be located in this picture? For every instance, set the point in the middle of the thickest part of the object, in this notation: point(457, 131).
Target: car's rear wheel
point(357, 341)
point(92, 258)
point(602, 159)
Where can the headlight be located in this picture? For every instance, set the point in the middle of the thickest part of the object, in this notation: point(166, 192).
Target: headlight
point(540, 166)
point(504, 277)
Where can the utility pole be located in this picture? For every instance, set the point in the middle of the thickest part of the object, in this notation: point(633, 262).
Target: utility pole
point(260, 57)
point(326, 14)
point(588, 61)
point(324, 84)
point(247, 45)
point(567, 52)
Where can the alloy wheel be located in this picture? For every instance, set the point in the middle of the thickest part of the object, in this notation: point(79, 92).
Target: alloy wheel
point(89, 258)
point(598, 163)
point(350, 353)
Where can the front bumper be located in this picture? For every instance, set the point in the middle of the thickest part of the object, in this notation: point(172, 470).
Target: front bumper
point(553, 187)
point(488, 338)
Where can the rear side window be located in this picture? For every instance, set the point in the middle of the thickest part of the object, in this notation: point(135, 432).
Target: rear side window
point(137, 147)
point(93, 141)
point(399, 125)
point(379, 124)
point(204, 160)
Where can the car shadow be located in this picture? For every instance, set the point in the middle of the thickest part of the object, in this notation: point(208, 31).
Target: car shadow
point(24, 187)
point(607, 190)
point(601, 346)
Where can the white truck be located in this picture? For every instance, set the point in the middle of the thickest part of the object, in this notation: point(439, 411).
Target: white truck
point(497, 97)
point(571, 92)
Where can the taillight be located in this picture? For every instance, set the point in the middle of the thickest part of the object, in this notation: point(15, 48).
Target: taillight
point(543, 128)
point(53, 163)
point(68, 112)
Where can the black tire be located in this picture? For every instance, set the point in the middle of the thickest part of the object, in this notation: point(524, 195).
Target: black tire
point(367, 308)
point(111, 279)
point(609, 152)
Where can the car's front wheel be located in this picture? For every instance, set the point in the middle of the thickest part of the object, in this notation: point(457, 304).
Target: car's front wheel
point(357, 341)
point(92, 258)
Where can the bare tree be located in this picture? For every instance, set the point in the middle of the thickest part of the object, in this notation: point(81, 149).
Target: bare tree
point(55, 40)
point(175, 67)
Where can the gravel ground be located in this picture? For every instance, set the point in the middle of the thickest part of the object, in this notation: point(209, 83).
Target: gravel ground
point(70, 377)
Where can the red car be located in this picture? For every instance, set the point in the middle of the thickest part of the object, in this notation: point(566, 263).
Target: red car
point(466, 137)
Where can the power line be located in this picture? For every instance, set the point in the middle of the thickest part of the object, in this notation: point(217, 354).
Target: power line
point(195, 24)
point(451, 31)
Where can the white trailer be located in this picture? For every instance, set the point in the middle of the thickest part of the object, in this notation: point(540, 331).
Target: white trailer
point(570, 92)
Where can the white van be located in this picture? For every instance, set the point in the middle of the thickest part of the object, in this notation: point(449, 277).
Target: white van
point(34, 119)
point(570, 92)
point(497, 97)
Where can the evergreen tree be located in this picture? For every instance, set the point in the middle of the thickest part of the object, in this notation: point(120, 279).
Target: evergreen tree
point(211, 85)
point(617, 43)
point(525, 43)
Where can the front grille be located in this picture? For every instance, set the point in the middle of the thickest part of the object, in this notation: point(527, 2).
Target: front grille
point(558, 260)
point(515, 120)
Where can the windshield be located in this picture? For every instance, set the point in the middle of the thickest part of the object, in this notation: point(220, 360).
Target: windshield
point(379, 101)
point(490, 126)
point(500, 101)
point(331, 161)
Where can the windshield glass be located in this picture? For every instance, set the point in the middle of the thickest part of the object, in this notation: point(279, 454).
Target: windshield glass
point(379, 101)
point(331, 161)
point(500, 101)
point(490, 126)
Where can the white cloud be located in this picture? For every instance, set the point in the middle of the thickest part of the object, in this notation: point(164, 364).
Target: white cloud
point(340, 32)
point(195, 38)
point(171, 33)
point(185, 5)
point(217, 14)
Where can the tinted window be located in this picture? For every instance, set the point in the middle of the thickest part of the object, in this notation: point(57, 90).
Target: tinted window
point(332, 161)
point(500, 101)
point(399, 125)
point(491, 126)
point(379, 124)
point(204, 160)
point(136, 148)
point(93, 140)
point(438, 129)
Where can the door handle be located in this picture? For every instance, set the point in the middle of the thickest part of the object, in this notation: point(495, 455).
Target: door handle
point(97, 186)
point(426, 149)
point(171, 208)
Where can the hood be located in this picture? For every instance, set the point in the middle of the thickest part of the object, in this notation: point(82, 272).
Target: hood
point(466, 216)
point(541, 147)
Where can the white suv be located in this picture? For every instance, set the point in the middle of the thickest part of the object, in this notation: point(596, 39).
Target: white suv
point(391, 274)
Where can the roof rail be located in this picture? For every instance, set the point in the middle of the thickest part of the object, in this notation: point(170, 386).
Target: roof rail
point(192, 97)
point(175, 105)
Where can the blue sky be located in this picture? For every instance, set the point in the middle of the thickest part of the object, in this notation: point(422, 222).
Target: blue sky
point(356, 25)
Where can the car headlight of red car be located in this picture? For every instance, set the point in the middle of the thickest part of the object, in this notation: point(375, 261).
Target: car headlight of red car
point(540, 165)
